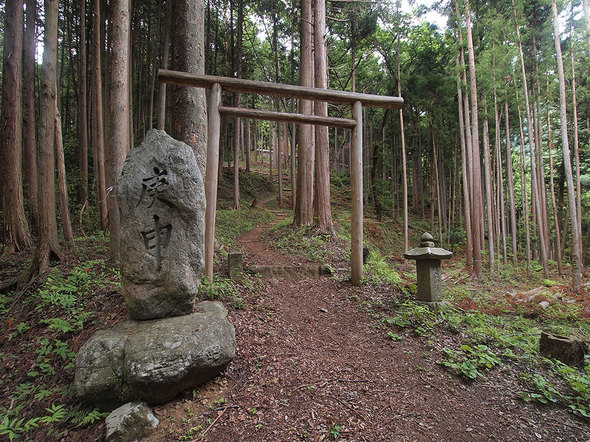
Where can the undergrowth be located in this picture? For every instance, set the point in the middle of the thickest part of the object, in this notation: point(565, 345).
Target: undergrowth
point(42, 325)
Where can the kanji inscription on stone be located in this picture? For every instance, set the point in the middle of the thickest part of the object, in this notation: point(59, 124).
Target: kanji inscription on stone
point(153, 185)
point(156, 240)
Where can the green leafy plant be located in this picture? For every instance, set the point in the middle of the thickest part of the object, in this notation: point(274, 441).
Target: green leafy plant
point(468, 361)
point(334, 431)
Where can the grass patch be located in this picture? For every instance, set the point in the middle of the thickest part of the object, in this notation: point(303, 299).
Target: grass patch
point(230, 224)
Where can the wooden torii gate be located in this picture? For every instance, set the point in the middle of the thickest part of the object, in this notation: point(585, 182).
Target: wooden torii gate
point(216, 109)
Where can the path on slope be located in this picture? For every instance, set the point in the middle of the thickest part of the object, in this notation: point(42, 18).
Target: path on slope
point(312, 365)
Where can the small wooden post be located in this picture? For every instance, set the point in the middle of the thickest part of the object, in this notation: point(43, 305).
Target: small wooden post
point(356, 183)
point(211, 176)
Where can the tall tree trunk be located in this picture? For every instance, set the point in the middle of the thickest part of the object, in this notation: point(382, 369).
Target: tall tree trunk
point(304, 203)
point(238, 141)
point(322, 138)
point(189, 120)
point(161, 104)
point(525, 202)
point(510, 176)
point(465, 180)
point(248, 141)
point(83, 108)
point(576, 249)
point(488, 184)
point(48, 242)
point(61, 177)
point(477, 209)
point(553, 202)
point(531, 134)
point(29, 129)
point(403, 145)
point(15, 229)
point(577, 151)
point(500, 185)
point(119, 124)
point(98, 120)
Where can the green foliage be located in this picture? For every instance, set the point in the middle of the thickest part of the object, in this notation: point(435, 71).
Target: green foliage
point(378, 271)
point(469, 361)
point(334, 431)
point(230, 224)
point(418, 317)
point(228, 290)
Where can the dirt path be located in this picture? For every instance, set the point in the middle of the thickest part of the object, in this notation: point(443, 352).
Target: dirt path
point(312, 366)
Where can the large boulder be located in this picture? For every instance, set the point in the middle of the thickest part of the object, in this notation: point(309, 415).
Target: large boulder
point(162, 204)
point(154, 360)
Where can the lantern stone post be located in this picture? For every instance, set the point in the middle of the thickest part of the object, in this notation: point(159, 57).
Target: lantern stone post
point(428, 258)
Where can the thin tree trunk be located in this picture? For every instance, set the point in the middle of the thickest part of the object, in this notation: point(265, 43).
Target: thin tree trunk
point(29, 130)
point(322, 138)
point(248, 144)
point(576, 249)
point(464, 164)
point(119, 124)
point(238, 122)
point(61, 177)
point(510, 177)
point(161, 104)
point(15, 229)
point(98, 129)
point(83, 108)
point(553, 203)
point(500, 186)
point(477, 209)
point(488, 184)
point(403, 143)
point(577, 152)
point(531, 133)
point(438, 193)
point(525, 202)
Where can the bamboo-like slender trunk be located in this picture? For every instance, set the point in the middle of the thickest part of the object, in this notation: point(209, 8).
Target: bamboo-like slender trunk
point(576, 249)
point(531, 133)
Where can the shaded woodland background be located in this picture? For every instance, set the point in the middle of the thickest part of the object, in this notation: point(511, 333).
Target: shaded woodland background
point(492, 145)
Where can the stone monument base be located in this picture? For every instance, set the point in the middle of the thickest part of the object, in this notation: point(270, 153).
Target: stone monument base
point(154, 360)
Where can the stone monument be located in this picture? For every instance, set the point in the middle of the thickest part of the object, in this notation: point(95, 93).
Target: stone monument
point(167, 344)
point(428, 258)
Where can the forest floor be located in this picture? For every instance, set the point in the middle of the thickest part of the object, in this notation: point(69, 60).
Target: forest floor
point(317, 358)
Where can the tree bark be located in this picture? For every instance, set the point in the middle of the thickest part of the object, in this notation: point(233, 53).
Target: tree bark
point(510, 176)
point(29, 129)
point(83, 108)
point(61, 177)
point(48, 242)
point(576, 249)
point(189, 115)
point(531, 135)
point(476, 201)
point(15, 229)
point(465, 180)
point(161, 103)
point(488, 184)
point(119, 115)
point(98, 120)
point(304, 203)
point(322, 139)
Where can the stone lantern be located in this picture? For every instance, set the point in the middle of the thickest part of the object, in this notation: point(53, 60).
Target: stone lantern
point(428, 258)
